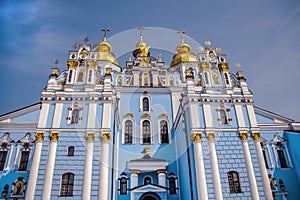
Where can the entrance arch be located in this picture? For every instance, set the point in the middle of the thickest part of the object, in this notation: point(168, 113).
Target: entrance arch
point(150, 196)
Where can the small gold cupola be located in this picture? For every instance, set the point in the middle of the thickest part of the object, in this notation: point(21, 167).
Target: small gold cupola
point(183, 53)
point(141, 47)
point(105, 51)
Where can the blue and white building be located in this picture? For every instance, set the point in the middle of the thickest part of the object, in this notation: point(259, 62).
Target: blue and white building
point(147, 130)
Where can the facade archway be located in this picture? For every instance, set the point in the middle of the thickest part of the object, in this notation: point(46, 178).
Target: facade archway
point(150, 196)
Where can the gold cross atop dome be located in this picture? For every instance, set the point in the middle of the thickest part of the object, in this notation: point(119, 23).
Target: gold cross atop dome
point(181, 35)
point(105, 30)
point(141, 32)
point(147, 148)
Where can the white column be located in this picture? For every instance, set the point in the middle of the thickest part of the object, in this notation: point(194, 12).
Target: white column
point(104, 161)
point(199, 164)
point(262, 167)
point(88, 165)
point(89, 148)
point(34, 169)
point(249, 166)
point(134, 178)
point(161, 175)
point(214, 166)
point(50, 166)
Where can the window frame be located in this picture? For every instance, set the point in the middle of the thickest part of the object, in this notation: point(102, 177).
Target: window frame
point(234, 185)
point(143, 138)
point(163, 117)
point(3, 160)
point(129, 117)
point(145, 95)
point(71, 150)
point(69, 185)
point(24, 161)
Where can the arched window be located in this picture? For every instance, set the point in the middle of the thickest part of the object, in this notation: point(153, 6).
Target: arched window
point(128, 132)
point(3, 155)
point(164, 132)
point(223, 117)
point(71, 150)
point(67, 184)
point(172, 183)
point(145, 104)
point(234, 182)
point(123, 185)
point(75, 116)
point(146, 132)
point(24, 161)
point(147, 180)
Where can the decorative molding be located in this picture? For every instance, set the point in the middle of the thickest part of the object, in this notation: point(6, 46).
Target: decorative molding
point(54, 136)
point(163, 115)
point(197, 137)
point(128, 115)
point(210, 137)
point(244, 136)
point(105, 137)
point(90, 137)
point(39, 136)
point(146, 115)
point(162, 171)
point(134, 171)
point(256, 136)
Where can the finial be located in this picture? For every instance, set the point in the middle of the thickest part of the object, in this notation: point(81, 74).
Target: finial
point(86, 39)
point(105, 30)
point(147, 150)
point(207, 43)
point(159, 55)
point(181, 33)
point(200, 49)
point(75, 45)
point(218, 49)
point(237, 65)
point(141, 32)
point(56, 61)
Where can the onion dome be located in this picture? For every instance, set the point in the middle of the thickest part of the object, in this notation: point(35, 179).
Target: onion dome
point(141, 47)
point(183, 53)
point(105, 51)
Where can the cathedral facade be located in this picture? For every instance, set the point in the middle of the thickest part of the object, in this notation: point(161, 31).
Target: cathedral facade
point(147, 130)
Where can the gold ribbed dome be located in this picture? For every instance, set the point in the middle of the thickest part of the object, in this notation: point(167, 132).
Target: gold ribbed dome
point(105, 52)
point(183, 54)
point(141, 48)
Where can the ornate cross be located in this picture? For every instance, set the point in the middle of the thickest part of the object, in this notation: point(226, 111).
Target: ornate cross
point(105, 30)
point(141, 32)
point(147, 150)
point(181, 33)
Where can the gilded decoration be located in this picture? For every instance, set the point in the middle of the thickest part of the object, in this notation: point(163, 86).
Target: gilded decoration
point(162, 171)
point(256, 136)
point(224, 67)
point(210, 137)
point(91, 64)
point(163, 115)
point(54, 136)
point(244, 136)
point(40, 136)
point(72, 64)
point(197, 137)
point(105, 137)
point(146, 115)
point(147, 148)
point(90, 137)
point(134, 171)
point(204, 66)
point(128, 115)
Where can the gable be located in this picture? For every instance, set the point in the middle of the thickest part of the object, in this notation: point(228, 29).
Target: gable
point(265, 116)
point(29, 114)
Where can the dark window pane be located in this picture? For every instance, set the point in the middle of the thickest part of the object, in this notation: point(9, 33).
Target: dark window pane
point(265, 157)
point(234, 182)
point(145, 104)
point(281, 158)
point(24, 161)
point(146, 132)
point(123, 186)
point(3, 155)
point(128, 131)
point(67, 184)
point(164, 133)
point(172, 185)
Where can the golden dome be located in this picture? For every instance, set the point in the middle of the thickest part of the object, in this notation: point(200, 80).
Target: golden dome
point(105, 53)
point(183, 54)
point(141, 48)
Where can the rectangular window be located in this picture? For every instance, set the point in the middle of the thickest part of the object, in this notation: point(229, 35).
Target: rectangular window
point(3, 155)
point(90, 76)
point(265, 158)
point(281, 158)
point(24, 161)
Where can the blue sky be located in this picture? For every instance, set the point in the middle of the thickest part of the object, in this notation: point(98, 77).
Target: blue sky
point(263, 36)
